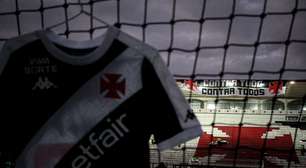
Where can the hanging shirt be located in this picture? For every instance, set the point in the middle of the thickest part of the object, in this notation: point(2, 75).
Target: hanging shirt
point(93, 104)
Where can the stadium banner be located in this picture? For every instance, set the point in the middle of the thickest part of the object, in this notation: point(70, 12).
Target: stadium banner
point(233, 87)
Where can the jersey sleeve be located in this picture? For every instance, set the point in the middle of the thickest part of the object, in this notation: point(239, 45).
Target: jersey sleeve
point(171, 118)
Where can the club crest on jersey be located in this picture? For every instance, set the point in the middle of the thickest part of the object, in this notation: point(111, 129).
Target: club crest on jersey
point(113, 85)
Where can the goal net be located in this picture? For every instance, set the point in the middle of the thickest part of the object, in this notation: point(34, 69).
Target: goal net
point(240, 64)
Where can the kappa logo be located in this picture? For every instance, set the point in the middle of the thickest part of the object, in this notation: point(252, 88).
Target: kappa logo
point(113, 85)
point(190, 115)
point(43, 83)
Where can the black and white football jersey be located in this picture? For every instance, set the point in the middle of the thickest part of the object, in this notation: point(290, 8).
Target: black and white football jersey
point(89, 104)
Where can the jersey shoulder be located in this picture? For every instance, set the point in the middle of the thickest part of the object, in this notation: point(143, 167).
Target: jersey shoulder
point(14, 44)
